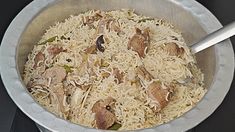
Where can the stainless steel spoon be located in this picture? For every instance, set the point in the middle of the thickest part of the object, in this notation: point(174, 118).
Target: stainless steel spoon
point(214, 38)
point(210, 40)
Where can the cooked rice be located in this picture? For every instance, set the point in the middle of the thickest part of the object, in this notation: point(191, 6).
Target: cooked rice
point(132, 108)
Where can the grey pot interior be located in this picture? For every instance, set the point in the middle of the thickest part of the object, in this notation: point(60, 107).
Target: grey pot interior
point(190, 17)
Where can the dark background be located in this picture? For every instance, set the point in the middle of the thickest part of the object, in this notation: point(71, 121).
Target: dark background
point(222, 120)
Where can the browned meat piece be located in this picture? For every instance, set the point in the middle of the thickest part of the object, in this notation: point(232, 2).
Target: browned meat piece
point(104, 119)
point(108, 103)
point(97, 106)
point(54, 50)
point(144, 73)
point(56, 73)
point(158, 94)
point(173, 49)
point(91, 50)
point(140, 41)
point(104, 113)
point(118, 75)
point(38, 58)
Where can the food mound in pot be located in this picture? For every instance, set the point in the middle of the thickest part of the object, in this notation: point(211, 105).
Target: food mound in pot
point(114, 70)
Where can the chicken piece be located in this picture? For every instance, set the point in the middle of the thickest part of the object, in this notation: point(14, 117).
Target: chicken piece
point(39, 57)
point(104, 119)
point(77, 97)
point(54, 50)
point(58, 90)
point(118, 75)
point(57, 74)
point(140, 41)
point(98, 106)
point(158, 94)
point(104, 113)
point(144, 73)
point(108, 103)
point(173, 49)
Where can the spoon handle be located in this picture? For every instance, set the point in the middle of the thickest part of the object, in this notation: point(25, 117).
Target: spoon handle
point(214, 38)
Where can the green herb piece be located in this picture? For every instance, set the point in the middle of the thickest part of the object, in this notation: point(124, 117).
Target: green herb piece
point(115, 126)
point(68, 69)
point(145, 19)
point(53, 39)
point(49, 40)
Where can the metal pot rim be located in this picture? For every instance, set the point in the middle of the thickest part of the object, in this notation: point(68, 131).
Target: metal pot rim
point(25, 102)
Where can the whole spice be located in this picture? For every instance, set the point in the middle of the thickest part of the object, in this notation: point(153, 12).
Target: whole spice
point(99, 42)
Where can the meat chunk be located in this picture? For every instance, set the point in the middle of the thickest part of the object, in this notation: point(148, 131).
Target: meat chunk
point(58, 90)
point(77, 97)
point(54, 50)
point(104, 113)
point(173, 49)
point(39, 57)
point(144, 73)
point(108, 103)
point(119, 75)
point(140, 42)
point(104, 119)
point(158, 94)
point(57, 74)
point(58, 97)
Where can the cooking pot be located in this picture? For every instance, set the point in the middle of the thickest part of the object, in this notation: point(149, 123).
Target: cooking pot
point(194, 20)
